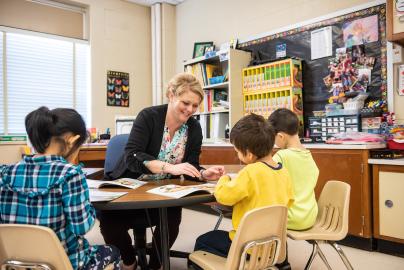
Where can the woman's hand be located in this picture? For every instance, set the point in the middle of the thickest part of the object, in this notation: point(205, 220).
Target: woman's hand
point(213, 173)
point(182, 168)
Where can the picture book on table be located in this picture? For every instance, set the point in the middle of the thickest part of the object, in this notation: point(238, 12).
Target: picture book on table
point(122, 182)
point(97, 195)
point(177, 191)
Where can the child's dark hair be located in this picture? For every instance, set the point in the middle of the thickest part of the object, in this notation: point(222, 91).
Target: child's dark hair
point(43, 124)
point(253, 133)
point(284, 120)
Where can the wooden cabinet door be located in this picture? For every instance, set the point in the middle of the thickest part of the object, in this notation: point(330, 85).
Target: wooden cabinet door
point(218, 155)
point(349, 166)
point(388, 202)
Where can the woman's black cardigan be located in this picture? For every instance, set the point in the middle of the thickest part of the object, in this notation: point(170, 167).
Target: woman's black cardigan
point(145, 139)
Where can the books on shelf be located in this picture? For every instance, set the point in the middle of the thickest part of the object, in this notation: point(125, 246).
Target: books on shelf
point(122, 182)
point(177, 191)
point(97, 195)
point(214, 100)
point(203, 71)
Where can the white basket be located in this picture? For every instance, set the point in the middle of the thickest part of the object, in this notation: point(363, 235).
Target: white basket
point(354, 105)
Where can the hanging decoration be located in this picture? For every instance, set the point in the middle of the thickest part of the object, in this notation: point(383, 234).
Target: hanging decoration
point(117, 89)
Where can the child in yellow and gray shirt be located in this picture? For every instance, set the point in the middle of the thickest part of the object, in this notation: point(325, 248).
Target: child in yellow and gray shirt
point(262, 182)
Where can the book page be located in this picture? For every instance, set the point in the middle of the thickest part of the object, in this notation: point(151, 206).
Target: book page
point(101, 196)
point(177, 191)
point(123, 182)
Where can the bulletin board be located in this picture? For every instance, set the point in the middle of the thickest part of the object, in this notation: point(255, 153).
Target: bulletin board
point(298, 44)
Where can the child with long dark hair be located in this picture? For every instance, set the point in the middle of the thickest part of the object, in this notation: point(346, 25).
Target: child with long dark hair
point(48, 190)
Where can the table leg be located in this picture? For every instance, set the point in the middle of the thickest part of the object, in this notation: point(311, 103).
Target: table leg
point(165, 249)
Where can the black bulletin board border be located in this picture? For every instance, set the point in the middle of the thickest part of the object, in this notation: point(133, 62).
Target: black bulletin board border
point(315, 93)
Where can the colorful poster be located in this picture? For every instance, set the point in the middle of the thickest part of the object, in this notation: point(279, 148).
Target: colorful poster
point(360, 31)
point(117, 89)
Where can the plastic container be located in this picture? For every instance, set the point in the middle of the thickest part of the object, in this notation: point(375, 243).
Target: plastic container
point(216, 80)
point(354, 105)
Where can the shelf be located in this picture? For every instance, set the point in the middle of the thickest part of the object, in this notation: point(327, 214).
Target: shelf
point(200, 59)
point(223, 85)
point(202, 113)
point(269, 90)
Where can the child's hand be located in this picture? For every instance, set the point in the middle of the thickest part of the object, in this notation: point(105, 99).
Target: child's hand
point(213, 173)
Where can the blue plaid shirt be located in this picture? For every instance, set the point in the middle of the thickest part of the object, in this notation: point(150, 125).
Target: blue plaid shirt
point(48, 191)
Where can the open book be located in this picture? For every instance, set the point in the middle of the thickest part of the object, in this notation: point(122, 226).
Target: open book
point(177, 191)
point(122, 182)
point(102, 196)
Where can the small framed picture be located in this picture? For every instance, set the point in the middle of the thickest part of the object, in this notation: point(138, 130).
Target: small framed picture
point(199, 48)
point(209, 49)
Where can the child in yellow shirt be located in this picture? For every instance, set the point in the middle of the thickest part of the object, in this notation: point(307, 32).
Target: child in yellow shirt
point(262, 182)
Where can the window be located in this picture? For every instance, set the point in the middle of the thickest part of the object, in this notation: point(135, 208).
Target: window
point(1, 85)
point(42, 71)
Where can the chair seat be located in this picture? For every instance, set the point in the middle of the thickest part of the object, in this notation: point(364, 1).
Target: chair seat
point(257, 235)
point(207, 261)
point(315, 233)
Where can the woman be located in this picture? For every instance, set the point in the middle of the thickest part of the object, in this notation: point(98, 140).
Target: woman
point(165, 141)
point(47, 190)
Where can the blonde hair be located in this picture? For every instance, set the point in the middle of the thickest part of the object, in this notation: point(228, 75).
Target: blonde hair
point(183, 82)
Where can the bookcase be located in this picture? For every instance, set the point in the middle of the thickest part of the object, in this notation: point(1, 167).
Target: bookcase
point(221, 77)
point(274, 85)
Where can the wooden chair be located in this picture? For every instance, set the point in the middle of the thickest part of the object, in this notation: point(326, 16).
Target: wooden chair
point(32, 247)
point(331, 224)
point(259, 243)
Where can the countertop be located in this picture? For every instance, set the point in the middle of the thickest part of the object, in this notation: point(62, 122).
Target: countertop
point(383, 161)
point(316, 145)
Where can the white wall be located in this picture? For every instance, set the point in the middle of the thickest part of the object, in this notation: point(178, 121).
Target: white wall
point(120, 36)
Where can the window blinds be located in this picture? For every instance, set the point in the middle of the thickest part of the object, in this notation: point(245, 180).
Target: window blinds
point(1, 85)
point(43, 71)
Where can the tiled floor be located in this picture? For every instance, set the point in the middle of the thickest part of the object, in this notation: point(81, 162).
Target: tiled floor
point(195, 223)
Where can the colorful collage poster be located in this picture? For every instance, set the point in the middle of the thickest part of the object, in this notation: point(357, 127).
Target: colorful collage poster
point(360, 31)
point(117, 88)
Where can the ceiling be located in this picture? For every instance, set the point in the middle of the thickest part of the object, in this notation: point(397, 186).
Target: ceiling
point(152, 2)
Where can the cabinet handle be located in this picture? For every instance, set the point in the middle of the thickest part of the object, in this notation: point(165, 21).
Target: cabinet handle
point(388, 203)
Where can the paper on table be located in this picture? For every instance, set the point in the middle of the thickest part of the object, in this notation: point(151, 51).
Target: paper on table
point(122, 182)
point(102, 196)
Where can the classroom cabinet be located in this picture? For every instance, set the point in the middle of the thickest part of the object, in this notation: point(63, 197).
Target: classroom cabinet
point(350, 166)
point(213, 155)
point(388, 201)
point(394, 23)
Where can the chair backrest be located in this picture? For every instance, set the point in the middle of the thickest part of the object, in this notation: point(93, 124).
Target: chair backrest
point(264, 229)
point(115, 150)
point(333, 209)
point(31, 244)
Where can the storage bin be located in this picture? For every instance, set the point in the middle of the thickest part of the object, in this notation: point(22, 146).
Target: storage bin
point(216, 80)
